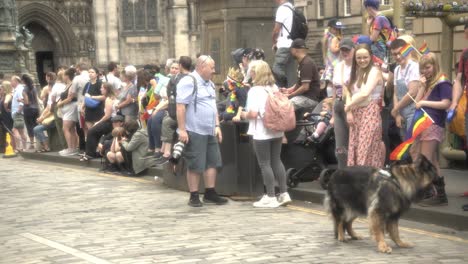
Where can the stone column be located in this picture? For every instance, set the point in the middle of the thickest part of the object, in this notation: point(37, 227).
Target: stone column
point(106, 26)
point(8, 21)
point(179, 13)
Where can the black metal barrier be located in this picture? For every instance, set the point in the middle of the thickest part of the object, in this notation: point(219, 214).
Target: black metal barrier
point(240, 174)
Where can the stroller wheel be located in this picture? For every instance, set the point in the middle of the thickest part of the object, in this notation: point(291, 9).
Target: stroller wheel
point(291, 179)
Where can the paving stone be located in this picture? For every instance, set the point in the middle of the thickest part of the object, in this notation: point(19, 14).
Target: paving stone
point(123, 221)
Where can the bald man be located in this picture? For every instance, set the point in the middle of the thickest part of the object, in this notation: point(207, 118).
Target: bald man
point(198, 128)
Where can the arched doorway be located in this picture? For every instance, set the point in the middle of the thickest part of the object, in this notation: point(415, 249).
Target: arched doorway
point(54, 42)
point(44, 47)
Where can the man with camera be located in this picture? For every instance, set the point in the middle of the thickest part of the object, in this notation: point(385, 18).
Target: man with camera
point(198, 128)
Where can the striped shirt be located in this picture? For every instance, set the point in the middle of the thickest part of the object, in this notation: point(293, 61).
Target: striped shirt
point(203, 120)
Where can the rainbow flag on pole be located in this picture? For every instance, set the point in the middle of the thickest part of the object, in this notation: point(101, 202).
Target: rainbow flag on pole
point(424, 49)
point(406, 50)
point(421, 121)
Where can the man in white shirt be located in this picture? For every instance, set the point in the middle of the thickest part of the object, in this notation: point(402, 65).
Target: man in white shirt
point(112, 76)
point(282, 43)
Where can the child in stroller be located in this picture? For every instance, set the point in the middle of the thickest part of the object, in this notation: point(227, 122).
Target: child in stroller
point(306, 158)
point(322, 121)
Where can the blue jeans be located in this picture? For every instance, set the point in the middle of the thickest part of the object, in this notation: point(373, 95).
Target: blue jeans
point(39, 131)
point(283, 60)
point(154, 129)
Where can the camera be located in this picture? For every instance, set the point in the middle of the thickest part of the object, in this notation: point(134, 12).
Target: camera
point(178, 150)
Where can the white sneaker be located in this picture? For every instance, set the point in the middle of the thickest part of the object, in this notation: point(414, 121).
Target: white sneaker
point(68, 152)
point(284, 199)
point(267, 202)
point(63, 151)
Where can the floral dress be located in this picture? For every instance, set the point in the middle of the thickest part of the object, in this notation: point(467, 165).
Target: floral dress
point(366, 147)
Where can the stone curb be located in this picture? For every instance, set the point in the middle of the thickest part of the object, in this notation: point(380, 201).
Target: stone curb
point(457, 221)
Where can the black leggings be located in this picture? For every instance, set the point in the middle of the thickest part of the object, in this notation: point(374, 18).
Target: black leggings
point(94, 134)
point(30, 116)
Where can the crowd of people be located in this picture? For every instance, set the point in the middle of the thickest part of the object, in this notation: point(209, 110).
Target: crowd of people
point(131, 118)
point(377, 81)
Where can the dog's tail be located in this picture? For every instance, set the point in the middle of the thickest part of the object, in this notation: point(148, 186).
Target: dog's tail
point(325, 178)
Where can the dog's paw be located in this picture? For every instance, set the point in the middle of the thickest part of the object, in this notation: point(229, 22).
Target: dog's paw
point(405, 245)
point(384, 248)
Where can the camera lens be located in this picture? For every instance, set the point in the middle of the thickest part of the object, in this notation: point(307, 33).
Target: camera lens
point(178, 150)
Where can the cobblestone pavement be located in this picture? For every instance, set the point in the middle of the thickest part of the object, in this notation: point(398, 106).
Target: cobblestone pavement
point(53, 214)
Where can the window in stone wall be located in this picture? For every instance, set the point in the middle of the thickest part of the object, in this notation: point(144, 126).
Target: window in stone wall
point(140, 16)
point(347, 7)
point(385, 2)
point(321, 8)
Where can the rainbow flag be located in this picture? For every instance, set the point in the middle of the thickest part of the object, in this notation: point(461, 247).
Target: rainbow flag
point(421, 121)
point(406, 50)
point(424, 49)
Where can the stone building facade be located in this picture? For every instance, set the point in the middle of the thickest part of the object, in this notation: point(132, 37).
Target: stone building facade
point(126, 31)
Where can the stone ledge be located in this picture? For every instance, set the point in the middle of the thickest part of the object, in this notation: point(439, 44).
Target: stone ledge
point(74, 161)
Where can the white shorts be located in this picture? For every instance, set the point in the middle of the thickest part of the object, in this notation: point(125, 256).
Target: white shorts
point(70, 112)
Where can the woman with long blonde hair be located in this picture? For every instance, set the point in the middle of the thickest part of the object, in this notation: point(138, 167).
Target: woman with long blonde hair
point(434, 98)
point(267, 143)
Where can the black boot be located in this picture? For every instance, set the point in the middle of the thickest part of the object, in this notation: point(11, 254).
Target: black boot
point(439, 197)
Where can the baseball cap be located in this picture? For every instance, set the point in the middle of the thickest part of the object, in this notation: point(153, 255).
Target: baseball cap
point(117, 118)
point(346, 43)
point(362, 39)
point(298, 44)
point(335, 23)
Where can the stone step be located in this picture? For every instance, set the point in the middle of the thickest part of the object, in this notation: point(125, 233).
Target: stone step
point(75, 161)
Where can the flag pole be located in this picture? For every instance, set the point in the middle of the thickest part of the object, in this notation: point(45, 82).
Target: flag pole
point(415, 49)
point(421, 107)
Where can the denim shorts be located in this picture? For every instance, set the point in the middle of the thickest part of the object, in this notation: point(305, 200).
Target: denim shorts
point(202, 152)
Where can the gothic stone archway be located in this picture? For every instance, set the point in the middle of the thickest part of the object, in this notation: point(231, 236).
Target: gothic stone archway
point(66, 45)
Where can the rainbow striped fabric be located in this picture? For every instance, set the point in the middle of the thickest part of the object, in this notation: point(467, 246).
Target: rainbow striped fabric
point(424, 49)
point(421, 122)
point(406, 50)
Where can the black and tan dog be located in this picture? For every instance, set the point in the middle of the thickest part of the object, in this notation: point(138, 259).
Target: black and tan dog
point(380, 195)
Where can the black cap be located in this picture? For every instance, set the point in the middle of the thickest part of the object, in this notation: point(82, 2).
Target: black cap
point(346, 43)
point(117, 118)
point(335, 23)
point(298, 44)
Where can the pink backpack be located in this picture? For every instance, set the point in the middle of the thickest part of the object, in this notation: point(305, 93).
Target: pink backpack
point(279, 112)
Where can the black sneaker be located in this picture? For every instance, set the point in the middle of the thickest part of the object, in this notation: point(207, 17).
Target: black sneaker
point(436, 200)
point(161, 161)
point(195, 202)
point(214, 198)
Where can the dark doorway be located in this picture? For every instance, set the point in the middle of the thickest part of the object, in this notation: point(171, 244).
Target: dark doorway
point(45, 64)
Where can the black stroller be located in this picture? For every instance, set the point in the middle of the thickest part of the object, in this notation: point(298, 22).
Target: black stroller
point(307, 159)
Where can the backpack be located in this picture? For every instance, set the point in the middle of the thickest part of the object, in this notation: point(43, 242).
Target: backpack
point(393, 34)
point(299, 28)
point(463, 61)
point(172, 94)
point(279, 112)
